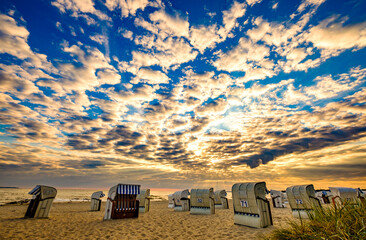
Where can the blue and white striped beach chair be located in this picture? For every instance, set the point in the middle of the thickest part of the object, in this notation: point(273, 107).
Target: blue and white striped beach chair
point(42, 199)
point(122, 202)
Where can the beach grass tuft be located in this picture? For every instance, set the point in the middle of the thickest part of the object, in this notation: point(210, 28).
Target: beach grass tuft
point(347, 221)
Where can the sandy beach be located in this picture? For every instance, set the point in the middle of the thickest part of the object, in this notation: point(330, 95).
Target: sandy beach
point(75, 221)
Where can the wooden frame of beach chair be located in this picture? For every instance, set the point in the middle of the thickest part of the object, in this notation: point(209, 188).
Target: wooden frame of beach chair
point(278, 199)
point(202, 201)
point(171, 201)
point(342, 195)
point(95, 201)
point(302, 200)
point(41, 203)
point(221, 201)
point(122, 202)
point(144, 200)
point(251, 208)
point(181, 201)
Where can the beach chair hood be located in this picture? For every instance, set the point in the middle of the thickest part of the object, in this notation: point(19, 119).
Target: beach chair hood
point(44, 192)
point(97, 195)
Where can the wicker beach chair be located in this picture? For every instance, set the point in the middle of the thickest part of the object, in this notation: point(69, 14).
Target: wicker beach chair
point(342, 195)
point(278, 199)
point(95, 201)
point(202, 201)
point(122, 202)
point(42, 199)
point(251, 208)
point(144, 200)
point(302, 200)
point(181, 201)
point(221, 199)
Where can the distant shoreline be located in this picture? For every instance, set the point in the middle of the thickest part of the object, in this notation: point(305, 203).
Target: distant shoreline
point(9, 187)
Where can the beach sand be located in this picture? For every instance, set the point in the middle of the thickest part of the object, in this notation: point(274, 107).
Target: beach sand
point(75, 221)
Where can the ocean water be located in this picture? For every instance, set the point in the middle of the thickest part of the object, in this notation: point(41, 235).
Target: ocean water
point(74, 195)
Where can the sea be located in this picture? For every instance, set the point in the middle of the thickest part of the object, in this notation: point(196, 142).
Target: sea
point(8, 195)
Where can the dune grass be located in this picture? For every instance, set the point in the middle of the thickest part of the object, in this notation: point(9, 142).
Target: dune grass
point(341, 222)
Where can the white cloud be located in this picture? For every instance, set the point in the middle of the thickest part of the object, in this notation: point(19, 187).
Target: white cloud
point(79, 6)
point(101, 39)
point(202, 37)
point(174, 25)
point(230, 17)
point(150, 76)
point(130, 7)
point(332, 35)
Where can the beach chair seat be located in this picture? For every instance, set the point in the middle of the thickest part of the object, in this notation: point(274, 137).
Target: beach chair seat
point(144, 200)
point(122, 202)
point(171, 201)
point(302, 200)
point(181, 201)
point(96, 201)
point(221, 201)
point(42, 199)
point(251, 208)
point(202, 201)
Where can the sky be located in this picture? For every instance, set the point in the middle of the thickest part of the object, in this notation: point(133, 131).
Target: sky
point(182, 94)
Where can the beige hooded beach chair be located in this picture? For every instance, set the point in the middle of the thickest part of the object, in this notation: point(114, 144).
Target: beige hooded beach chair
point(202, 201)
point(144, 199)
point(278, 199)
point(342, 195)
point(171, 201)
point(42, 199)
point(221, 199)
point(95, 201)
point(251, 208)
point(181, 201)
point(302, 200)
point(122, 202)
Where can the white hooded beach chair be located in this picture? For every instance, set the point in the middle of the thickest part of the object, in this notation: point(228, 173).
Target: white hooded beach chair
point(95, 201)
point(42, 199)
point(122, 202)
point(251, 208)
point(302, 200)
point(144, 200)
point(202, 201)
point(181, 201)
point(278, 199)
point(171, 201)
point(342, 195)
point(221, 199)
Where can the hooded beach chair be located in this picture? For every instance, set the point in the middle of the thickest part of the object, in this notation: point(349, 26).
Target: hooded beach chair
point(323, 196)
point(42, 199)
point(342, 195)
point(95, 201)
point(251, 208)
point(202, 201)
point(302, 200)
point(181, 201)
point(122, 202)
point(144, 200)
point(221, 199)
point(171, 200)
point(278, 199)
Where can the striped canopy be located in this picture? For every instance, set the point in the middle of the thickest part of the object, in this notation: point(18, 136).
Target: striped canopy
point(36, 190)
point(128, 189)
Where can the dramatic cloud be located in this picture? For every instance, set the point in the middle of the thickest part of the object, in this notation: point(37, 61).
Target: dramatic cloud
point(172, 95)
